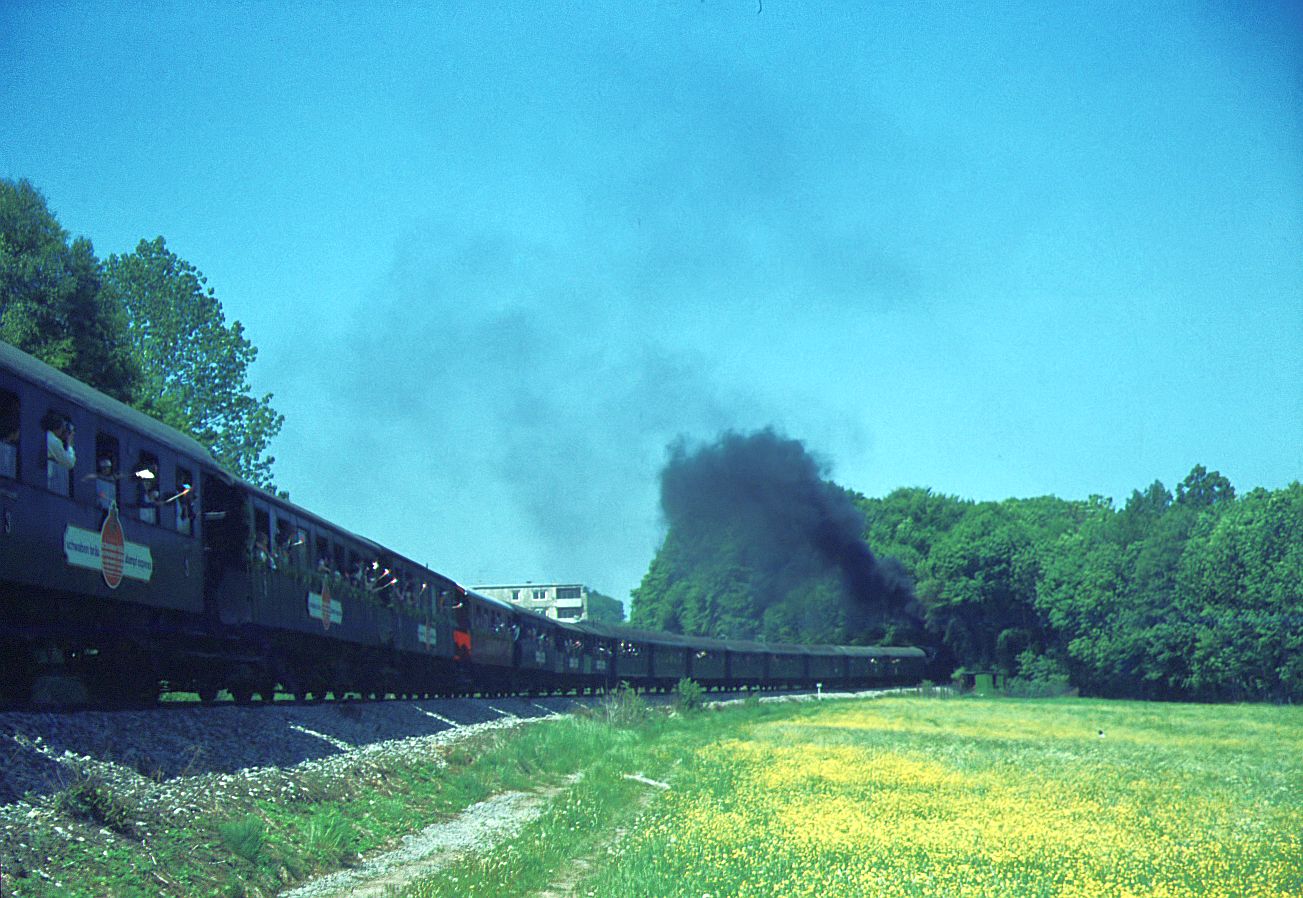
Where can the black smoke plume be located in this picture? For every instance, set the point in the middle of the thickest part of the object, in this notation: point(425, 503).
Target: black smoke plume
point(773, 499)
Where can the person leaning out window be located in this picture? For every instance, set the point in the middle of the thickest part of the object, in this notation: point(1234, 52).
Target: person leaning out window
point(60, 456)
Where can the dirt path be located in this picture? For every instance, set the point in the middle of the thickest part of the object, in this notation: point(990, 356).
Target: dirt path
point(566, 881)
point(481, 826)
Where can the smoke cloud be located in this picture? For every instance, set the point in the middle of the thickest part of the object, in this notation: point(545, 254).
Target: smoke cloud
point(773, 499)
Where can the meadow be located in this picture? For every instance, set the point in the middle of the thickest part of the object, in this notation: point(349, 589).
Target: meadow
point(907, 795)
point(918, 796)
point(910, 797)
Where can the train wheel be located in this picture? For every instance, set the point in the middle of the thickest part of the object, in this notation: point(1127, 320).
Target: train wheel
point(243, 695)
point(207, 694)
point(268, 692)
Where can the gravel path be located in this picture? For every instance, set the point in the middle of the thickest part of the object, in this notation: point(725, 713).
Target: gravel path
point(478, 828)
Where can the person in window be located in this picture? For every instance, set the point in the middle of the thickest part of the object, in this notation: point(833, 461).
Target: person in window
point(106, 490)
point(60, 455)
point(262, 551)
point(147, 492)
point(185, 507)
point(9, 452)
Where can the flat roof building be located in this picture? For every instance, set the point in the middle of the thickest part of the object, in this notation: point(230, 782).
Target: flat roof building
point(560, 601)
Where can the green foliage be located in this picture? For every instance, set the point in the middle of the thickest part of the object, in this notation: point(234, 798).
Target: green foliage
point(244, 837)
point(195, 367)
point(328, 836)
point(604, 609)
point(689, 696)
point(51, 304)
point(624, 707)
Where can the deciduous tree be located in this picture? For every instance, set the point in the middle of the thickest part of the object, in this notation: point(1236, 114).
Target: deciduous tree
point(51, 304)
point(195, 366)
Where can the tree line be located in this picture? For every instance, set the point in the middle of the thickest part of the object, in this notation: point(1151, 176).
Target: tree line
point(1194, 594)
point(143, 327)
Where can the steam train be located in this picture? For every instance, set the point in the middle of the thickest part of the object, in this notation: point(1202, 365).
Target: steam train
point(132, 564)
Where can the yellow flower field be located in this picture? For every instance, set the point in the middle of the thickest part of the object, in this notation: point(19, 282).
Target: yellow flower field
point(921, 797)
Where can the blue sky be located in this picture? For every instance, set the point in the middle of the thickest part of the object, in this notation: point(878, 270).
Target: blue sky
point(496, 257)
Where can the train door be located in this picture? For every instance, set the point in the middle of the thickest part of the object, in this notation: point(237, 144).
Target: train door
point(226, 526)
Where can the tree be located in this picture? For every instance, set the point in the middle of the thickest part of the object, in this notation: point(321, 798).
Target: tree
point(1241, 589)
point(51, 304)
point(604, 609)
point(1202, 488)
point(194, 366)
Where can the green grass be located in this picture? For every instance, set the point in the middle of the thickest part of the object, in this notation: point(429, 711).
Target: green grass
point(902, 797)
point(909, 796)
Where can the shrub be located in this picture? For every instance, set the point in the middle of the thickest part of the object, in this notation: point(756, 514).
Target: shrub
point(624, 707)
point(689, 696)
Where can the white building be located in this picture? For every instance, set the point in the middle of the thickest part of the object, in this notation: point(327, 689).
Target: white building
point(560, 601)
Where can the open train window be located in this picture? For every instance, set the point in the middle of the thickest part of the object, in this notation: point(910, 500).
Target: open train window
point(324, 556)
point(184, 500)
point(107, 468)
point(148, 497)
point(298, 548)
point(262, 537)
point(60, 452)
point(10, 425)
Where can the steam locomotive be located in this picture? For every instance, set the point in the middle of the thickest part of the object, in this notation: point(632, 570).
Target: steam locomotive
point(132, 564)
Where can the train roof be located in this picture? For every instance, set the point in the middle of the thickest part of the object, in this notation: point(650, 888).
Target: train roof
point(269, 498)
point(68, 387)
point(616, 631)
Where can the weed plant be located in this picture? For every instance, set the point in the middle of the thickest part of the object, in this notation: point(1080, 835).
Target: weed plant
point(244, 837)
point(689, 696)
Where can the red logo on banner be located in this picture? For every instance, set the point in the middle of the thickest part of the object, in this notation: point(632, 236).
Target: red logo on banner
point(113, 548)
point(325, 604)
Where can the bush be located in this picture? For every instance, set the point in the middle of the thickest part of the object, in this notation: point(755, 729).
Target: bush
point(624, 707)
point(1039, 676)
point(689, 696)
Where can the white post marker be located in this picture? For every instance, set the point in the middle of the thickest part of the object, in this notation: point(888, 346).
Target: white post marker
point(819, 690)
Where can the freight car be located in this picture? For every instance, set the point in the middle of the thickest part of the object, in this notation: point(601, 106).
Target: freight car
point(131, 564)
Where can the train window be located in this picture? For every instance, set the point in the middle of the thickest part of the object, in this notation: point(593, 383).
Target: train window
point(184, 500)
point(262, 537)
point(297, 547)
point(10, 424)
point(60, 452)
point(324, 555)
point(148, 497)
point(107, 468)
point(339, 558)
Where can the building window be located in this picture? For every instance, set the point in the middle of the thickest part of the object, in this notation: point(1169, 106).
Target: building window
point(568, 613)
point(569, 592)
point(540, 594)
point(515, 595)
